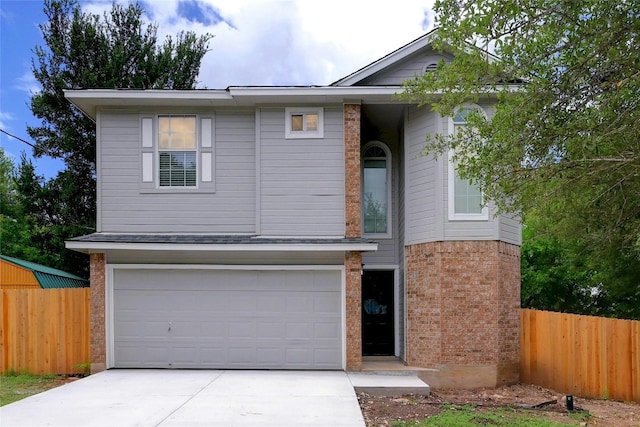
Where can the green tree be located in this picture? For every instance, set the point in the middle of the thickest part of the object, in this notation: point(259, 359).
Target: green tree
point(564, 137)
point(86, 51)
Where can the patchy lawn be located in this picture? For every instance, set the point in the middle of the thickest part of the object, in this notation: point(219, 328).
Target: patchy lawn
point(16, 387)
point(530, 405)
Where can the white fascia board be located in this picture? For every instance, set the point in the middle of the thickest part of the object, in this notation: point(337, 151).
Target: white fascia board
point(195, 95)
point(386, 61)
point(239, 91)
point(315, 94)
point(304, 247)
point(87, 100)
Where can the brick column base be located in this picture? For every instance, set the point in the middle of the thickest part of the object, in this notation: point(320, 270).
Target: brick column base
point(97, 313)
point(463, 312)
point(353, 297)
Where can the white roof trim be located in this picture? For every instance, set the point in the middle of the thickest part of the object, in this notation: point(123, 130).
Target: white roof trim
point(87, 247)
point(398, 55)
point(89, 100)
point(387, 60)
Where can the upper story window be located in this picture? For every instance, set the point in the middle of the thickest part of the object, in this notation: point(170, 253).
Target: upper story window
point(177, 149)
point(302, 122)
point(376, 186)
point(177, 153)
point(466, 201)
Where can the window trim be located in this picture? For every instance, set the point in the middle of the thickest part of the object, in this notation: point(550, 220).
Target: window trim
point(196, 149)
point(149, 151)
point(388, 234)
point(452, 214)
point(304, 134)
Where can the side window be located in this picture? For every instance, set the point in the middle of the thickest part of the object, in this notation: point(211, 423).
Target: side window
point(304, 122)
point(466, 201)
point(177, 153)
point(376, 185)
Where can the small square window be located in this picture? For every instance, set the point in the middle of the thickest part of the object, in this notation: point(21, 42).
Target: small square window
point(304, 122)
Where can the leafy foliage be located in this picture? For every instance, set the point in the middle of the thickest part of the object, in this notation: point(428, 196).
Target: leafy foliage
point(86, 51)
point(569, 275)
point(564, 138)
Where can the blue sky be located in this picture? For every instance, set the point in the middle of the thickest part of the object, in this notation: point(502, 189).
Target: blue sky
point(257, 42)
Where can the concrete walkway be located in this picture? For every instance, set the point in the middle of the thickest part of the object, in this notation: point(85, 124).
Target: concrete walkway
point(169, 398)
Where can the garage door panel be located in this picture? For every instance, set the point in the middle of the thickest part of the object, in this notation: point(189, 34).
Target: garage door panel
point(227, 319)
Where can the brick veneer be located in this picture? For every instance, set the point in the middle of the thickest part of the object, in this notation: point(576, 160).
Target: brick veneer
point(352, 190)
point(353, 297)
point(97, 313)
point(463, 301)
point(352, 260)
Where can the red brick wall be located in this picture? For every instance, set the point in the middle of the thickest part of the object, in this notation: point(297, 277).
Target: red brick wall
point(463, 302)
point(352, 260)
point(97, 309)
point(352, 170)
point(353, 297)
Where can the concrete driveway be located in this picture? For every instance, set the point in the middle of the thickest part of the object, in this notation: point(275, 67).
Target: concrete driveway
point(170, 398)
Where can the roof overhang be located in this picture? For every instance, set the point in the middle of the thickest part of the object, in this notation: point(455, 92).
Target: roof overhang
point(100, 242)
point(89, 101)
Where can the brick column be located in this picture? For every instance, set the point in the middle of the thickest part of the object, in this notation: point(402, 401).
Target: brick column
point(353, 297)
point(97, 313)
point(352, 260)
point(352, 190)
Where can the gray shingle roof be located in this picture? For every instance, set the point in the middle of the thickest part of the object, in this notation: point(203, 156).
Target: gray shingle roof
point(206, 239)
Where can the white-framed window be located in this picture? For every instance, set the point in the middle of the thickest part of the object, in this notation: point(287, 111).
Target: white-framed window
point(177, 153)
point(376, 189)
point(466, 201)
point(303, 122)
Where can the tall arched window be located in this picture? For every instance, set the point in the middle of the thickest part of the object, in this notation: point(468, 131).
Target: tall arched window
point(465, 197)
point(376, 183)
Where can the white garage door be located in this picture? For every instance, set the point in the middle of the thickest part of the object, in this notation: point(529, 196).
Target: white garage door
point(227, 319)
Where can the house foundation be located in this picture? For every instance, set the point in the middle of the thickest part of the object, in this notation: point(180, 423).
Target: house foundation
point(462, 310)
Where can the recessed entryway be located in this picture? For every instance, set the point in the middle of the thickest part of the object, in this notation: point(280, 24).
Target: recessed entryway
point(378, 313)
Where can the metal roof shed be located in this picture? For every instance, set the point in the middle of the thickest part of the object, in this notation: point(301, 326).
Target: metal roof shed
point(17, 273)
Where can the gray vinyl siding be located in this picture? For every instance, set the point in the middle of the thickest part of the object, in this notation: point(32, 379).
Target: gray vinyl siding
point(411, 67)
point(510, 229)
point(124, 208)
point(420, 187)
point(400, 248)
point(301, 180)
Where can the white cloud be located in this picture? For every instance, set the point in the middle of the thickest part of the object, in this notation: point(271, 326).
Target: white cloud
point(292, 42)
point(28, 83)
point(5, 118)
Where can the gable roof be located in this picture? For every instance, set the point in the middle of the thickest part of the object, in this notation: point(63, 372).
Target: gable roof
point(387, 60)
point(48, 277)
point(397, 56)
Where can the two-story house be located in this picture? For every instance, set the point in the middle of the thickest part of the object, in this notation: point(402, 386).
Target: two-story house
point(296, 228)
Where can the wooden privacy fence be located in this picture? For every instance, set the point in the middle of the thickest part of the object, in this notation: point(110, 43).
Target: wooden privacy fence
point(581, 355)
point(44, 331)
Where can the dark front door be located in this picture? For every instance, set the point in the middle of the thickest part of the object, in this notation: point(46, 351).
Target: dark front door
point(377, 313)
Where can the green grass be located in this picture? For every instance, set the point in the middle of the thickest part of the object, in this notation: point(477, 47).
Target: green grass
point(455, 416)
point(14, 386)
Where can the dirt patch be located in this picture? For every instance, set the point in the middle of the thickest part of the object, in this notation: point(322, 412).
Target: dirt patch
point(383, 410)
